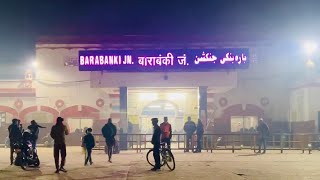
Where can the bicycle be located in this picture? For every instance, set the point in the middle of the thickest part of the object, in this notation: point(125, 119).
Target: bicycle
point(166, 157)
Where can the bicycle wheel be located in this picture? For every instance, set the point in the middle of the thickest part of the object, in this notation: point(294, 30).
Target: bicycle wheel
point(150, 158)
point(169, 159)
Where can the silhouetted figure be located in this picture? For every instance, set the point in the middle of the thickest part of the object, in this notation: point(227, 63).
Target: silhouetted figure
point(199, 132)
point(15, 136)
point(34, 128)
point(109, 131)
point(89, 143)
point(156, 144)
point(166, 132)
point(263, 131)
point(20, 126)
point(58, 132)
point(189, 128)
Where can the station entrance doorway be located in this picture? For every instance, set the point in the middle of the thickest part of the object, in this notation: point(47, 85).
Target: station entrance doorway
point(175, 103)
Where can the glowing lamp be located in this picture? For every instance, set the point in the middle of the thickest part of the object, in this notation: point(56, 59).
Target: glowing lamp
point(310, 47)
point(34, 64)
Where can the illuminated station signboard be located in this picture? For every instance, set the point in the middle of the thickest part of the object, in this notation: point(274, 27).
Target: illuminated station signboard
point(164, 60)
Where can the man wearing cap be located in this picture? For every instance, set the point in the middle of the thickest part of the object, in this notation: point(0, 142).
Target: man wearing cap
point(156, 144)
point(263, 131)
point(34, 128)
point(58, 132)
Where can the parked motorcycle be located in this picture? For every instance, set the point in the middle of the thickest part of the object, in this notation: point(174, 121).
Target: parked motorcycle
point(26, 156)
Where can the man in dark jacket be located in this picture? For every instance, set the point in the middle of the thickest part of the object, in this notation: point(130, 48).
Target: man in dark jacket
point(263, 131)
point(199, 132)
point(34, 128)
point(89, 143)
point(109, 131)
point(156, 144)
point(15, 136)
point(189, 128)
point(58, 132)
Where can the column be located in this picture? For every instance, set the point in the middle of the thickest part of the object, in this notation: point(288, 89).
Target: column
point(203, 104)
point(123, 117)
point(124, 108)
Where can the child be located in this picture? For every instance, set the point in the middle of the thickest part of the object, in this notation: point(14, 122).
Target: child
point(88, 143)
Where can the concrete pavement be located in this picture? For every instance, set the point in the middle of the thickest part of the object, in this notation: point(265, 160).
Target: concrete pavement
point(131, 165)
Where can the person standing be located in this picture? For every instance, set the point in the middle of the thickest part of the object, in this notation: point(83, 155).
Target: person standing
point(166, 132)
point(199, 132)
point(109, 131)
point(89, 143)
point(58, 133)
point(156, 144)
point(20, 126)
point(189, 128)
point(34, 128)
point(263, 131)
point(15, 136)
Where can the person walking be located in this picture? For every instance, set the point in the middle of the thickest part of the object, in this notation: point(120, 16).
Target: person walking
point(15, 136)
point(89, 143)
point(263, 131)
point(199, 132)
point(166, 132)
point(34, 128)
point(58, 133)
point(189, 128)
point(156, 144)
point(109, 131)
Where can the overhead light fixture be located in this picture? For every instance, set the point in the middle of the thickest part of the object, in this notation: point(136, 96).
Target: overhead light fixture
point(310, 47)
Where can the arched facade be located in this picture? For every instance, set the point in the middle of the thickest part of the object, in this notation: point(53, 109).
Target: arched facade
point(223, 124)
point(32, 109)
point(85, 112)
point(10, 110)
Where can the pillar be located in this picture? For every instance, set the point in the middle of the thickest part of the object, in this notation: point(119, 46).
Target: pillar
point(203, 104)
point(124, 108)
point(123, 118)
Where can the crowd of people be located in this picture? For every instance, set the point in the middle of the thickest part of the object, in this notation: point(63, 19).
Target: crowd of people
point(161, 134)
point(58, 133)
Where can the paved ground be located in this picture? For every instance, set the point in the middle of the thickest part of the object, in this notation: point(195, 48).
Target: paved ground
point(131, 165)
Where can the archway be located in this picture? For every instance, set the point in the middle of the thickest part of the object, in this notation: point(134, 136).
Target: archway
point(44, 114)
point(251, 111)
point(79, 119)
point(160, 109)
point(7, 114)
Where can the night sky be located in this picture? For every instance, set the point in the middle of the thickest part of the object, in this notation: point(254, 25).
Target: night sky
point(25, 20)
